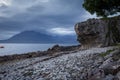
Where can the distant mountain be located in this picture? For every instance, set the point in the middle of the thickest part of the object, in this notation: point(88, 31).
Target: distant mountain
point(37, 37)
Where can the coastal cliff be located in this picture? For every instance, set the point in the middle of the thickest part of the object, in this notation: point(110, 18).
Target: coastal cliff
point(95, 32)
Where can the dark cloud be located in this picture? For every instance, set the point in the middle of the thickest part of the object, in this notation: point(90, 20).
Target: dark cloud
point(40, 15)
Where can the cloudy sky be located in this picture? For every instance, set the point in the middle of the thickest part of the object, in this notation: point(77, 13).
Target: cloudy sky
point(54, 17)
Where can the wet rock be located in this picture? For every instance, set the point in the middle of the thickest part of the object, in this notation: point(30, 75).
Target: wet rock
point(55, 48)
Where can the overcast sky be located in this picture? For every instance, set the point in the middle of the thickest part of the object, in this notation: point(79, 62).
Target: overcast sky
point(54, 17)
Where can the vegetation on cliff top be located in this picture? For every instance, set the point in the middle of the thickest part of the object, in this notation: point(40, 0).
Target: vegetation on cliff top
point(102, 7)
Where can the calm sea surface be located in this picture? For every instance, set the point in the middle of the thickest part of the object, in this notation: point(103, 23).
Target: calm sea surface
point(11, 48)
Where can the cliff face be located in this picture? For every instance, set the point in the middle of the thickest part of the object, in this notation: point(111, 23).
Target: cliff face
point(94, 32)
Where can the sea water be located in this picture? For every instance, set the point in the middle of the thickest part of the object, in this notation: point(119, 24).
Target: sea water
point(15, 48)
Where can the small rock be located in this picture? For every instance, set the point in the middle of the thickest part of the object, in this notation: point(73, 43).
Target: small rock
point(111, 68)
point(98, 74)
point(116, 55)
point(106, 63)
point(118, 75)
point(109, 77)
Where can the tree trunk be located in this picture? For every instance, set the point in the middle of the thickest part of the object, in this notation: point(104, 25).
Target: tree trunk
point(113, 34)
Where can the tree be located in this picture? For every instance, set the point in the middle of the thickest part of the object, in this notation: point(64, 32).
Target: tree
point(102, 8)
point(106, 8)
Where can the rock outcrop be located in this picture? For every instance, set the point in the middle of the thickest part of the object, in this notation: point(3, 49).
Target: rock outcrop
point(95, 32)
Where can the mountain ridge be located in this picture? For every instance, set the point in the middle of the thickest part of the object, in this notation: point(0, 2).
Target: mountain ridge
point(38, 37)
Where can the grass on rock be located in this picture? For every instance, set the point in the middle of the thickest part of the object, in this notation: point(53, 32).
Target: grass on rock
point(106, 53)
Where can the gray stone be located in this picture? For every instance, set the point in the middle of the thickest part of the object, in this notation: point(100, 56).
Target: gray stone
point(116, 55)
point(92, 32)
point(109, 77)
point(111, 68)
point(106, 63)
point(118, 75)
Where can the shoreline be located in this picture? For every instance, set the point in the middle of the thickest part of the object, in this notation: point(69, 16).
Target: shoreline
point(88, 64)
point(50, 51)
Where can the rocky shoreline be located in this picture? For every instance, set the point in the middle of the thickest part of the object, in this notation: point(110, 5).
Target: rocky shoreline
point(90, 64)
point(50, 51)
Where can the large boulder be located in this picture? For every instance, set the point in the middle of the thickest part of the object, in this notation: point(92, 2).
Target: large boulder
point(93, 32)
